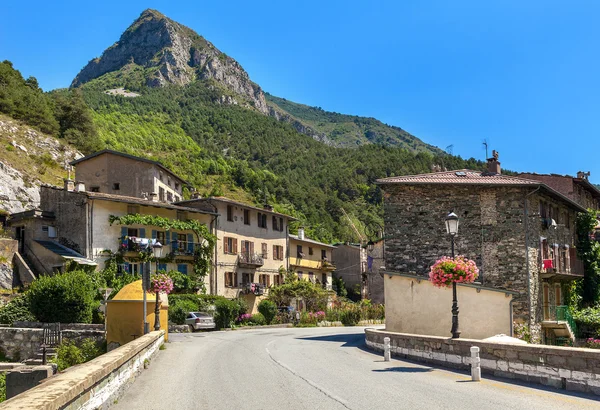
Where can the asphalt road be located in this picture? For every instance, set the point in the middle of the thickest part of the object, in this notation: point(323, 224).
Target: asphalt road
point(315, 368)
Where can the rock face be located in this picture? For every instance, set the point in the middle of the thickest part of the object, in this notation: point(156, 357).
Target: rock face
point(171, 53)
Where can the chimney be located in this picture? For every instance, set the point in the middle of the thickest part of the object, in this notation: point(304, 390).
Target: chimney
point(493, 165)
point(196, 195)
point(301, 234)
point(267, 207)
point(154, 197)
point(69, 184)
point(79, 186)
point(583, 175)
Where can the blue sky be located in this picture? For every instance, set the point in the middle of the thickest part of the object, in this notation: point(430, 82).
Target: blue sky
point(524, 75)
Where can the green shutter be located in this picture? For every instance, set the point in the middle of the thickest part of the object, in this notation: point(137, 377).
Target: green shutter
point(190, 243)
point(153, 234)
point(142, 232)
point(123, 232)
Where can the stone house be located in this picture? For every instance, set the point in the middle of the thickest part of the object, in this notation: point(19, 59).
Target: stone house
point(74, 225)
point(520, 232)
point(251, 249)
point(361, 269)
point(579, 188)
point(311, 260)
point(117, 173)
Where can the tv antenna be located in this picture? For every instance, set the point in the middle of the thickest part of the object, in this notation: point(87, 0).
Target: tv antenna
point(449, 149)
point(485, 144)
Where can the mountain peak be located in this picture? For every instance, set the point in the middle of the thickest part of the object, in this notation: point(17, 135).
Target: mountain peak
point(156, 51)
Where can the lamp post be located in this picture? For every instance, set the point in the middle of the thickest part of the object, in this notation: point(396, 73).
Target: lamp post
point(452, 230)
point(157, 250)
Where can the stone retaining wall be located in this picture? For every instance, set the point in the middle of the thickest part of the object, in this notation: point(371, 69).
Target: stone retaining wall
point(23, 343)
point(560, 367)
point(92, 385)
point(63, 326)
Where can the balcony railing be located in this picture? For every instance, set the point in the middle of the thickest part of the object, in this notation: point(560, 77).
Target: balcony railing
point(250, 260)
point(183, 248)
point(257, 289)
point(563, 266)
point(179, 248)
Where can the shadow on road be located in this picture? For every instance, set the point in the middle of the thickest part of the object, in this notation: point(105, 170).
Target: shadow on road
point(348, 340)
point(402, 369)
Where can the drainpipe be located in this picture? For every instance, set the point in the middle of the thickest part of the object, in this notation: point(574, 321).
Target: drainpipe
point(526, 212)
point(213, 282)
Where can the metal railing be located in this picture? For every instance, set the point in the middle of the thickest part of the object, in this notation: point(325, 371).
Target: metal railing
point(247, 258)
point(52, 337)
point(563, 314)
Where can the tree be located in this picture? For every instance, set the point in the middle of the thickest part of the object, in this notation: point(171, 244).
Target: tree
point(588, 251)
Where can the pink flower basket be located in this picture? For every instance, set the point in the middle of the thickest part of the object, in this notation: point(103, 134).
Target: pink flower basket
point(161, 283)
point(446, 270)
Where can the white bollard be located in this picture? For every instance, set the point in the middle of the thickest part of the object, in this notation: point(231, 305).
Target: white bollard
point(386, 349)
point(475, 364)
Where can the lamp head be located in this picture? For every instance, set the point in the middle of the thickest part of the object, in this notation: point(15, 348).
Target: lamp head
point(452, 224)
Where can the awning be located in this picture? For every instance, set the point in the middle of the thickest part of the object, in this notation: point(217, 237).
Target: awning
point(66, 253)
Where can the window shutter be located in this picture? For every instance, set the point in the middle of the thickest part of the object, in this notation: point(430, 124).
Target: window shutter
point(264, 250)
point(123, 232)
point(174, 239)
point(281, 224)
point(153, 234)
point(275, 252)
point(142, 232)
point(168, 237)
point(251, 248)
point(235, 245)
point(190, 239)
point(235, 279)
point(225, 245)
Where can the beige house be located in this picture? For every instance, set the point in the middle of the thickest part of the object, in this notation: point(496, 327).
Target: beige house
point(251, 247)
point(117, 173)
point(311, 260)
point(74, 225)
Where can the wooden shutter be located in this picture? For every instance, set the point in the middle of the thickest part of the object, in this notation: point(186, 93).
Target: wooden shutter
point(264, 250)
point(225, 245)
point(251, 248)
point(235, 250)
point(235, 280)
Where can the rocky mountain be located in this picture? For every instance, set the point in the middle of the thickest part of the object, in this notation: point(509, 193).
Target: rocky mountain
point(156, 51)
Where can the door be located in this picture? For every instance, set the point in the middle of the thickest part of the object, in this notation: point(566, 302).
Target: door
point(546, 301)
point(20, 237)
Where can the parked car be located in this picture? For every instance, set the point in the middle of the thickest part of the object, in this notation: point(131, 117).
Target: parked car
point(200, 321)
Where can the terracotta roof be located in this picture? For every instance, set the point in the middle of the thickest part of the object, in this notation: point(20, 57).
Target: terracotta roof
point(133, 200)
point(133, 157)
point(231, 201)
point(295, 237)
point(470, 177)
point(461, 177)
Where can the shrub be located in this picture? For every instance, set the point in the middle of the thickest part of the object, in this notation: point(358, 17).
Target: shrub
point(2, 387)
point(351, 316)
point(592, 343)
point(242, 306)
point(16, 309)
point(183, 283)
point(333, 315)
point(307, 319)
point(225, 312)
point(69, 354)
point(257, 319)
point(67, 298)
point(179, 310)
point(268, 309)
point(244, 318)
point(372, 312)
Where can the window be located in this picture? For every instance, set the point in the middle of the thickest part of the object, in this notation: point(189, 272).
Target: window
point(278, 252)
point(116, 186)
point(324, 280)
point(182, 268)
point(275, 227)
point(162, 267)
point(177, 186)
point(300, 275)
point(169, 197)
point(281, 228)
point(543, 209)
point(310, 250)
point(230, 213)
point(181, 242)
point(277, 280)
point(248, 249)
point(264, 280)
point(133, 209)
point(132, 232)
point(230, 245)
point(95, 189)
point(160, 176)
point(160, 237)
point(311, 276)
point(246, 217)
point(264, 250)
point(248, 278)
point(262, 220)
point(176, 198)
point(323, 254)
point(161, 194)
point(230, 279)
point(299, 252)
point(182, 215)
point(169, 181)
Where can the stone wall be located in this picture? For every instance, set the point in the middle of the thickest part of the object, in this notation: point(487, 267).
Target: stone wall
point(23, 343)
point(92, 385)
point(560, 367)
point(8, 248)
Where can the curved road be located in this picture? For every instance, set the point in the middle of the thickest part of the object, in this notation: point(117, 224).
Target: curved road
point(315, 368)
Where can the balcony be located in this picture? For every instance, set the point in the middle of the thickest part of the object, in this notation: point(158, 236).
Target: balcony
point(177, 248)
point(250, 260)
point(312, 264)
point(257, 289)
point(181, 248)
point(566, 265)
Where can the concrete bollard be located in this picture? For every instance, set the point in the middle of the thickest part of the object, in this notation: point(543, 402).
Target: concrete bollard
point(386, 349)
point(475, 364)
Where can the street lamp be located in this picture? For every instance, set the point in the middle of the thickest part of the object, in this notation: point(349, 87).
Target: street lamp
point(157, 250)
point(452, 230)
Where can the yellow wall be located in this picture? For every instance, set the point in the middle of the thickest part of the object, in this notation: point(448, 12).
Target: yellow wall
point(310, 263)
point(421, 308)
point(125, 311)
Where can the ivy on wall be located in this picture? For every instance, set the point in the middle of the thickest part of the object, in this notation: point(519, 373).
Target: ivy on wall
point(202, 251)
point(588, 251)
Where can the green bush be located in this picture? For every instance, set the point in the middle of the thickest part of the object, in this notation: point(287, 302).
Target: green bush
point(257, 319)
point(16, 309)
point(67, 298)
point(350, 316)
point(268, 309)
point(69, 354)
point(179, 310)
point(2, 387)
point(242, 306)
point(226, 311)
point(184, 283)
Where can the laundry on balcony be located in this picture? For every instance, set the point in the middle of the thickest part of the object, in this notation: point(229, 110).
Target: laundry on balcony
point(547, 264)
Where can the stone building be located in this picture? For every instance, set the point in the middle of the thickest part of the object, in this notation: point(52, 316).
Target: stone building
point(520, 232)
point(252, 245)
point(117, 173)
point(361, 270)
point(579, 188)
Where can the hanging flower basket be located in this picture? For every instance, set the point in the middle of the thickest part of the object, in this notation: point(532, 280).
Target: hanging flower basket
point(161, 283)
point(446, 270)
